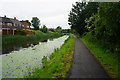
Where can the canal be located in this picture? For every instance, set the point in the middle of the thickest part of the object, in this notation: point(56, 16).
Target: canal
point(17, 64)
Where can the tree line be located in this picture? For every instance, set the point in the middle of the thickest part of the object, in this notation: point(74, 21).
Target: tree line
point(35, 22)
point(99, 21)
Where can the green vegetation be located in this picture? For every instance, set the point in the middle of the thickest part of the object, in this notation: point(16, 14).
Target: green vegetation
point(100, 20)
point(108, 60)
point(59, 62)
point(98, 26)
point(44, 29)
point(35, 22)
point(10, 41)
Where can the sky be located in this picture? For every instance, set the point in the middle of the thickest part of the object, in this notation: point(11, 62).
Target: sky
point(51, 13)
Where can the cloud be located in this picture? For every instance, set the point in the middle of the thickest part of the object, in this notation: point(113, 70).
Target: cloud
point(51, 12)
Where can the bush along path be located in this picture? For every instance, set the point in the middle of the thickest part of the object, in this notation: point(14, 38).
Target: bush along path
point(85, 64)
point(59, 63)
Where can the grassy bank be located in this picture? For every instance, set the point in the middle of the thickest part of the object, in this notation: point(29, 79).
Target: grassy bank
point(59, 64)
point(11, 41)
point(108, 60)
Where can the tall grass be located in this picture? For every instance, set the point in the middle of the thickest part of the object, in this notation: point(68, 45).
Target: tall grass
point(59, 64)
point(108, 60)
point(10, 41)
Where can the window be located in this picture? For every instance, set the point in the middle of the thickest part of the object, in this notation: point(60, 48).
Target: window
point(3, 23)
point(15, 24)
point(22, 25)
point(27, 26)
point(9, 24)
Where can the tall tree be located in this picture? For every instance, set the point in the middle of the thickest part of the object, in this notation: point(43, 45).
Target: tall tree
point(79, 13)
point(35, 22)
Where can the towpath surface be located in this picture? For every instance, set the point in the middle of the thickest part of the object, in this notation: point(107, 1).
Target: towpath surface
point(84, 63)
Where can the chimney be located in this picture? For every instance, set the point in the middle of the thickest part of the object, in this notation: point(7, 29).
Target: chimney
point(5, 16)
point(14, 17)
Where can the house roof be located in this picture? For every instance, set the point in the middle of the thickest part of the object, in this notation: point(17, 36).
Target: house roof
point(25, 22)
point(9, 20)
point(5, 19)
point(15, 21)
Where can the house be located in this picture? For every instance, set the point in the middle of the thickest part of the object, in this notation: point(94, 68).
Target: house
point(25, 25)
point(10, 25)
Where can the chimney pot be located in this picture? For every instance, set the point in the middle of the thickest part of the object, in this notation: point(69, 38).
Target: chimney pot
point(14, 17)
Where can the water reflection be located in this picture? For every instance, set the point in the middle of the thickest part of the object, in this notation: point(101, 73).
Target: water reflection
point(18, 64)
point(7, 51)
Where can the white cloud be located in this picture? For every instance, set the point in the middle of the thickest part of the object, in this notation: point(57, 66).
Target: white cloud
point(51, 12)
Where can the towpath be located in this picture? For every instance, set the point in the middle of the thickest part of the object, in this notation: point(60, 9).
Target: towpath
point(84, 63)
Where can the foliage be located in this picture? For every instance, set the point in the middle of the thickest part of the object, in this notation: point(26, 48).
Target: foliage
point(107, 59)
point(102, 22)
point(59, 63)
point(98, 20)
point(59, 29)
point(66, 30)
point(51, 29)
point(35, 22)
point(44, 29)
point(79, 13)
point(10, 41)
point(104, 26)
point(28, 22)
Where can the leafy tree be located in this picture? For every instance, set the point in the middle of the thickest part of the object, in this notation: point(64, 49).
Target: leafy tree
point(104, 25)
point(35, 22)
point(108, 26)
point(79, 13)
point(59, 29)
point(28, 22)
point(44, 29)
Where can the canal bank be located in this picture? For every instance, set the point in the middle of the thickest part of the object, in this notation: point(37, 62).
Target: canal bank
point(18, 64)
point(11, 43)
point(59, 63)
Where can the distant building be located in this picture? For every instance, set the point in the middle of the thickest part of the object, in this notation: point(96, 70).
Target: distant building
point(25, 25)
point(9, 25)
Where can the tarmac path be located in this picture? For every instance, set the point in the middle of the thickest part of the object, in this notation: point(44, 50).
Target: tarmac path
point(85, 64)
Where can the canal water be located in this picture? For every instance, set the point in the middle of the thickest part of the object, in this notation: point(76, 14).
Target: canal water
point(17, 64)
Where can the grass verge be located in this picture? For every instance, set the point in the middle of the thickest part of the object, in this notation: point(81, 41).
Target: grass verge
point(10, 41)
point(59, 62)
point(107, 59)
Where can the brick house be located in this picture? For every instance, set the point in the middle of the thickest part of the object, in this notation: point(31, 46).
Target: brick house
point(25, 25)
point(9, 25)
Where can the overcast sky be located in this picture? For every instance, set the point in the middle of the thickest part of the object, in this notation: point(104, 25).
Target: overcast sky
point(51, 13)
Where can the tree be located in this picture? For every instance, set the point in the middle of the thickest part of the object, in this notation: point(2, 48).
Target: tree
point(28, 22)
point(44, 29)
point(104, 26)
point(35, 22)
point(59, 29)
point(78, 15)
